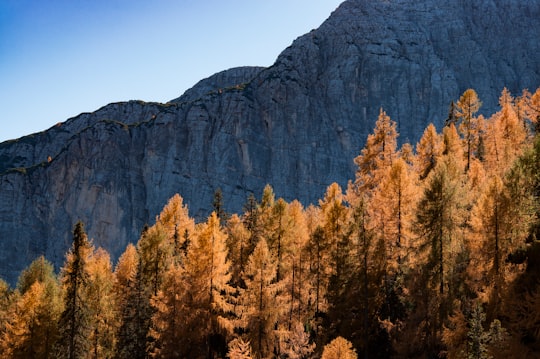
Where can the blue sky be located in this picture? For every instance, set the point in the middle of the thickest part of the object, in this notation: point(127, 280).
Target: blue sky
point(59, 58)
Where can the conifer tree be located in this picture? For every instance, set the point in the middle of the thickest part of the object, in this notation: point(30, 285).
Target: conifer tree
point(239, 349)
point(259, 314)
point(155, 256)
point(238, 246)
point(40, 270)
point(296, 260)
point(377, 154)
point(451, 119)
point(251, 219)
point(191, 305)
point(532, 109)
point(438, 224)
point(32, 326)
point(131, 304)
point(506, 138)
point(429, 151)
point(339, 348)
point(296, 345)
point(392, 210)
point(74, 329)
point(218, 206)
point(177, 225)
point(7, 297)
point(466, 108)
point(170, 329)
point(334, 217)
point(100, 298)
point(155, 253)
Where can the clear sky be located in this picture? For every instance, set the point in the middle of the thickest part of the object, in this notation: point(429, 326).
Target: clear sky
point(59, 58)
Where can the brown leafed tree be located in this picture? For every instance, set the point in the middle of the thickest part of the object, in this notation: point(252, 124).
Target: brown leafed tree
point(339, 348)
point(258, 312)
point(131, 306)
point(506, 140)
point(466, 109)
point(177, 225)
point(100, 298)
point(428, 151)
point(377, 154)
point(32, 325)
point(190, 310)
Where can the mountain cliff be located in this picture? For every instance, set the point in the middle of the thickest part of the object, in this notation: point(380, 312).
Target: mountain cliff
point(296, 125)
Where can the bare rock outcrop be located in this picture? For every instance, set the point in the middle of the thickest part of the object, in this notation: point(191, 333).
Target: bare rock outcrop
point(296, 125)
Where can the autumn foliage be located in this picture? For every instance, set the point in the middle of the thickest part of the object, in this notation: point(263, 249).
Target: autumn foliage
point(430, 251)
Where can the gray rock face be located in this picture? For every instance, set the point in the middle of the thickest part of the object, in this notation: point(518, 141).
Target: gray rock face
point(296, 125)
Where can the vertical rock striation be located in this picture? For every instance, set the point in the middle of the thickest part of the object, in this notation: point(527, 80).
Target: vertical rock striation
point(296, 125)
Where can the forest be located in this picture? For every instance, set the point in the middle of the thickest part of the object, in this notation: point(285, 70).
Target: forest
point(431, 251)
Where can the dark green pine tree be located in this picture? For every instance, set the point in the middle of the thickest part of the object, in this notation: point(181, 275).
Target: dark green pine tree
point(74, 339)
point(217, 203)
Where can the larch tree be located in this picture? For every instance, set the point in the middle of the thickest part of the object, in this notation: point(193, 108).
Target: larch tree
point(466, 109)
point(40, 270)
point(334, 218)
point(131, 307)
point(452, 146)
point(506, 140)
point(259, 314)
point(438, 224)
point(239, 349)
point(276, 225)
point(238, 248)
point(170, 330)
point(32, 326)
point(209, 273)
point(492, 227)
point(298, 266)
point(252, 222)
point(177, 225)
point(297, 345)
point(319, 254)
point(428, 151)
point(100, 297)
point(74, 322)
point(206, 291)
point(155, 253)
point(392, 208)
point(378, 153)
point(339, 348)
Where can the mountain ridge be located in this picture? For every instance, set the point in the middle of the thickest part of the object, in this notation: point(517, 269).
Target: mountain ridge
point(296, 125)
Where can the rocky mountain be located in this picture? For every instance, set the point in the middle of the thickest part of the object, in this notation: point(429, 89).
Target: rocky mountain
point(296, 125)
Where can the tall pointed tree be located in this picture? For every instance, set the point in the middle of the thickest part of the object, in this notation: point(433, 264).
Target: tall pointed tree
point(177, 225)
point(238, 246)
point(377, 154)
point(32, 326)
point(190, 309)
point(100, 298)
point(466, 109)
point(74, 330)
point(429, 151)
point(439, 222)
point(259, 313)
point(132, 306)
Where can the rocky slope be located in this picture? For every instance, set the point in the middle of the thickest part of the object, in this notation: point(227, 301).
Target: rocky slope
point(296, 125)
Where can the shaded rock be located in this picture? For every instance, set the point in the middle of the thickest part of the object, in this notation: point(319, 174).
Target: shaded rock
point(296, 125)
